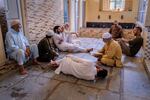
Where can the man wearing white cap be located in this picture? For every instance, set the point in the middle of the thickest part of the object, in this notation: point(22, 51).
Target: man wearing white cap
point(111, 53)
point(47, 48)
point(18, 47)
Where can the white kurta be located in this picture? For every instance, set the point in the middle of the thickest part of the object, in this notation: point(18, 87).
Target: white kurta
point(65, 46)
point(78, 67)
point(71, 38)
point(16, 44)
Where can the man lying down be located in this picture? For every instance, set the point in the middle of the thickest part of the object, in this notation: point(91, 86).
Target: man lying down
point(78, 67)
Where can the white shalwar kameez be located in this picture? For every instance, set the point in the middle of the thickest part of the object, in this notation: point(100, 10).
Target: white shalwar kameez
point(78, 67)
point(70, 38)
point(16, 44)
point(65, 46)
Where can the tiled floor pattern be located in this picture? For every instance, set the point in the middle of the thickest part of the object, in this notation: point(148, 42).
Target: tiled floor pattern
point(128, 83)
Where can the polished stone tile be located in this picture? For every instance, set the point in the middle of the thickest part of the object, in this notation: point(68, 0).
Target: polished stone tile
point(32, 88)
point(115, 80)
point(35, 71)
point(73, 92)
point(99, 84)
point(48, 74)
point(67, 78)
point(129, 97)
point(128, 83)
point(10, 81)
point(107, 95)
point(136, 83)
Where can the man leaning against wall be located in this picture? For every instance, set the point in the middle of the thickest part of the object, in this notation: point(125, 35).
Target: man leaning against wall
point(18, 47)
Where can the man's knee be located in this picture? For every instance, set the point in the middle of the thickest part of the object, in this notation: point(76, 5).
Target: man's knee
point(34, 46)
point(20, 52)
point(20, 56)
point(34, 50)
point(107, 61)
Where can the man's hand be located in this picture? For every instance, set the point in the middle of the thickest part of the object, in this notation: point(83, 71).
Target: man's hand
point(77, 34)
point(60, 41)
point(118, 39)
point(125, 40)
point(28, 52)
point(97, 54)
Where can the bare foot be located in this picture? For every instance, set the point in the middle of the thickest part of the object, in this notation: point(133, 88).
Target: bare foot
point(35, 62)
point(70, 51)
point(22, 70)
point(89, 50)
point(53, 64)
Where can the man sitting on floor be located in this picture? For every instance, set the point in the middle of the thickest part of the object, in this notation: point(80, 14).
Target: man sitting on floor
point(63, 45)
point(131, 47)
point(111, 53)
point(78, 67)
point(116, 30)
point(18, 47)
point(47, 49)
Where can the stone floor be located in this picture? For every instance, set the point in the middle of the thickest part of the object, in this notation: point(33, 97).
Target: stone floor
point(128, 83)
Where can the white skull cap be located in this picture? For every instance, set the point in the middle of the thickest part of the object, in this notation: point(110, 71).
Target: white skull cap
point(14, 22)
point(50, 33)
point(106, 35)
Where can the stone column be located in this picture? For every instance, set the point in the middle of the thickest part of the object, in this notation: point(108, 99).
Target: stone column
point(80, 13)
point(72, 14)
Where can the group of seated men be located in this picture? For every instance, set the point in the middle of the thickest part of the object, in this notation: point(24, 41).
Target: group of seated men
point(115, 45)
point(60, 39)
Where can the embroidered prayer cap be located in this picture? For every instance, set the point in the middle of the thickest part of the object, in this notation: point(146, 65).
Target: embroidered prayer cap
point(106, 35)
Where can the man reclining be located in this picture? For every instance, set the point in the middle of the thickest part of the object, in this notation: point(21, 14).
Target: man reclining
point(63, 45)
point(78, 67)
